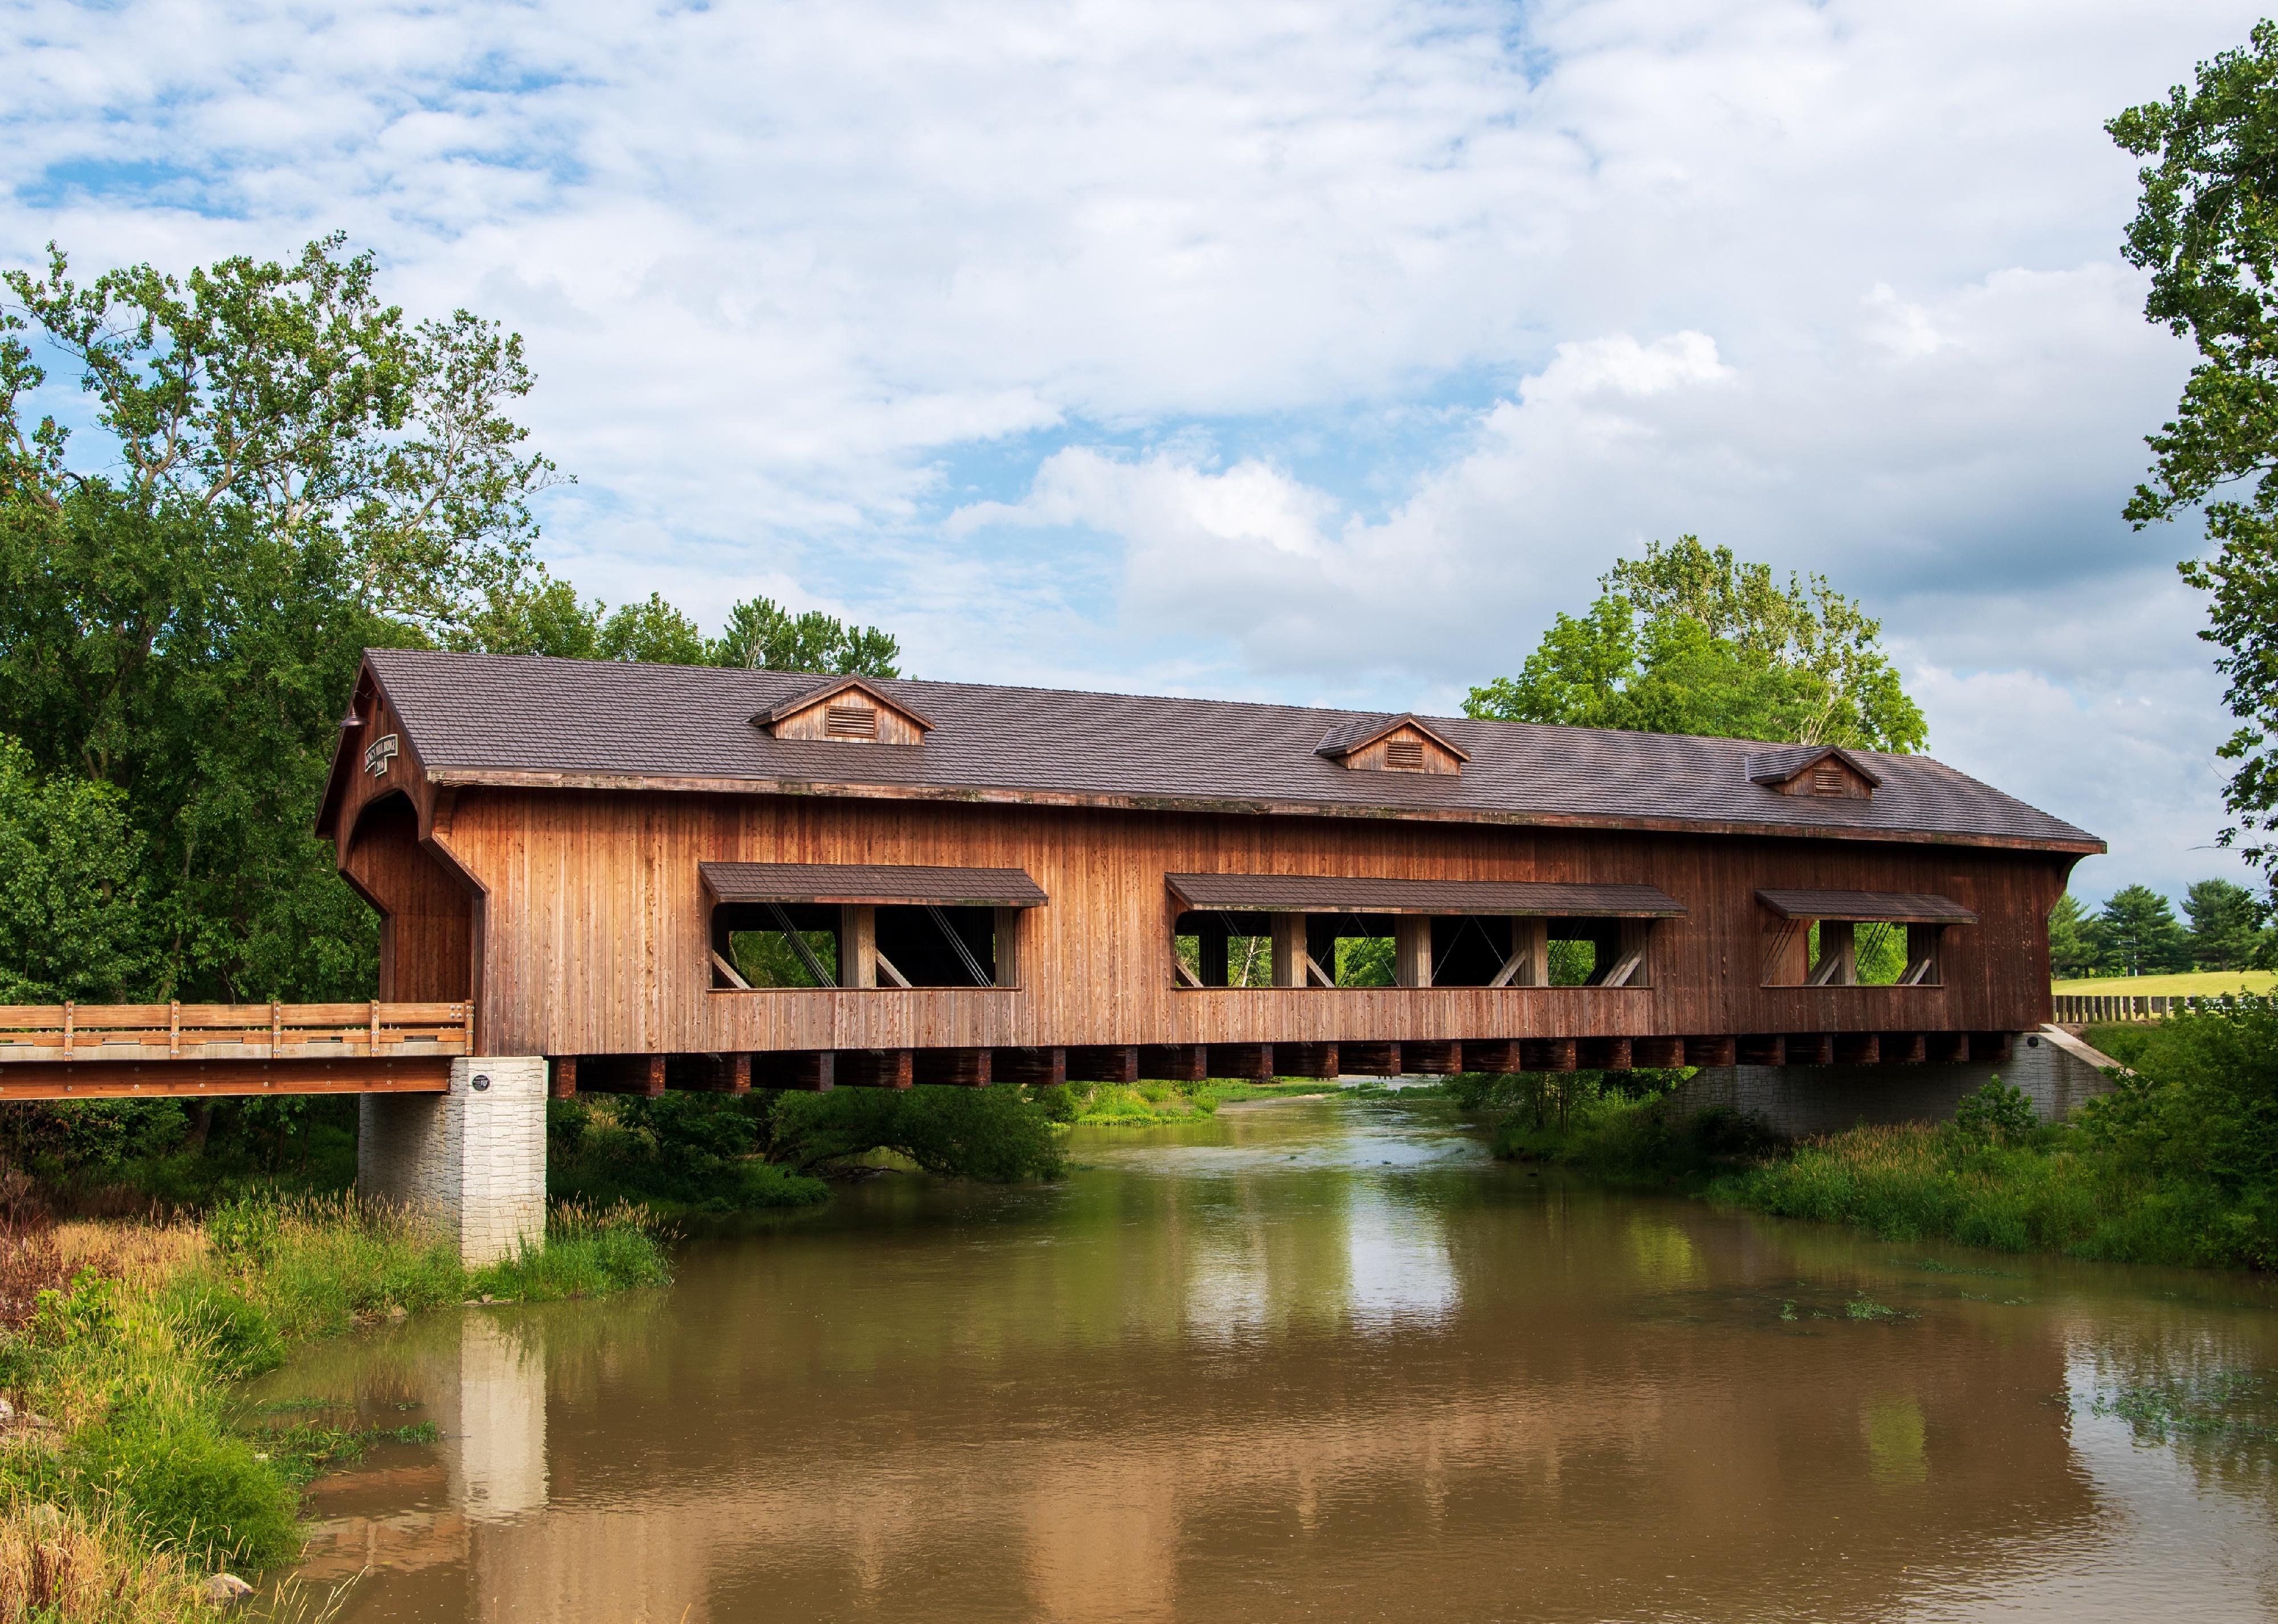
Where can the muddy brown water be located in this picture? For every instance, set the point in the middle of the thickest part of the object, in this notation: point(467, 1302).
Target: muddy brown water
point(1322, 1360)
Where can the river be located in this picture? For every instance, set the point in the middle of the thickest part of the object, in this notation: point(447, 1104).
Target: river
point(1312, 1360)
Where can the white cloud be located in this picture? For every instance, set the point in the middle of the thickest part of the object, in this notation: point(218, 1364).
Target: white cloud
point(1317, 350)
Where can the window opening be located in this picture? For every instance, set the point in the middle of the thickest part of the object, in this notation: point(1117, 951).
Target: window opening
point(1218, 949)
point(1571, 962)
point(926, 945)
point(965, 953)
point(772, 946)
point(1223, 950)
point(1836, 952)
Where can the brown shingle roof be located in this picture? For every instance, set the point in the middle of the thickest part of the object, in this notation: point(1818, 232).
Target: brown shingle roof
point(497, 718)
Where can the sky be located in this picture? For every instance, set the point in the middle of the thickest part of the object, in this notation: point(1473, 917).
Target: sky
point(1312, 353)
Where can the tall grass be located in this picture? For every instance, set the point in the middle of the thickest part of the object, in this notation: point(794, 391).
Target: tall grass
point(60, 1563)
point(2056, 1191)
point(121, 1340)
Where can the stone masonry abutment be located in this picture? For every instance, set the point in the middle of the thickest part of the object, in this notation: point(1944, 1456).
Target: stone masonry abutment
point(470, 1161)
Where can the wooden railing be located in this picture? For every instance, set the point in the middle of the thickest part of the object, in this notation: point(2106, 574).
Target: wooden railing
point(231, 1031)
point(2089, 1009)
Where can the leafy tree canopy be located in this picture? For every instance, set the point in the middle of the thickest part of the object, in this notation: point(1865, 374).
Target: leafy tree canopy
point(1688, 639)
point(544, 616)
point(2207, 229)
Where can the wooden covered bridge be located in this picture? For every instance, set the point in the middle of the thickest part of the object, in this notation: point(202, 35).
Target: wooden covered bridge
point(660, 877)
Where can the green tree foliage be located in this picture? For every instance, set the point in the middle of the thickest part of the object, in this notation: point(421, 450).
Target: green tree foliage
point(541, 615)
point(2139, 935)
point(2207, 229)
point(292, 472)
point(1689, 639)
point(2225, 929)
point(762, 635)
point(2201, 1105)
point(2074, 948)
point(72, 923)
point(991, 1133)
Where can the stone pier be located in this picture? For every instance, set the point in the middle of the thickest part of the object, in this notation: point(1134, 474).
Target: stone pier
point(2055, 1072)
point(471, 1161)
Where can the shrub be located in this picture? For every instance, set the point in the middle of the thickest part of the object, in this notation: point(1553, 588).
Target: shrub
point(990, 1133)
point(185, 1482)
point(1996, 1113)
point(698, 1152)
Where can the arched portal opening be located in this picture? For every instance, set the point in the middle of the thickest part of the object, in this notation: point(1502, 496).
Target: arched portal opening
point(427, 912)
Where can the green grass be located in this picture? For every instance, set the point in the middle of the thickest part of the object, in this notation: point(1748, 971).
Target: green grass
point(1155, 1104)
point(132, 1357)
point(2207, 984)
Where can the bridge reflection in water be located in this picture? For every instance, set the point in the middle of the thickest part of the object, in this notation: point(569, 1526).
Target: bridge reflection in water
point(1290, 1367)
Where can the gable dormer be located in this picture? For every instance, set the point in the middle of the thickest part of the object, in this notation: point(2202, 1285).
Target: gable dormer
point(846, 711)
point(1814, 770)
point(1393, 744)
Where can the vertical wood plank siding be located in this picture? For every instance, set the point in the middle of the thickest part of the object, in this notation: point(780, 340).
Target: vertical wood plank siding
point(592, 927)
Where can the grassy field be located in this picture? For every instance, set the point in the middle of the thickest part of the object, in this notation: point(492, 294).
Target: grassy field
point(2199, 983)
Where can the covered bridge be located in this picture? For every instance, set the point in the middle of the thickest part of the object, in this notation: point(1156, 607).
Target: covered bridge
point(658, 875)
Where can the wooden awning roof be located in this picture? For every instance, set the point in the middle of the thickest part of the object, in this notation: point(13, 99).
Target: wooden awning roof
point(878, 883)
point(1880, 906)
point(1322, 893)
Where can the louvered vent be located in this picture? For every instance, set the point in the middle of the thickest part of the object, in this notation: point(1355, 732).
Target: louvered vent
point(849, 722)
point(1827, 781)
point(1404, 755)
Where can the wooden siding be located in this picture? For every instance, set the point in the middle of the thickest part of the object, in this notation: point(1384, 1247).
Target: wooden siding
point(590, 932)
point(1429, 755)
point(891, 726)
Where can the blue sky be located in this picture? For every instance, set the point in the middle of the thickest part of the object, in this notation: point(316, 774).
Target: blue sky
point(1319, 353)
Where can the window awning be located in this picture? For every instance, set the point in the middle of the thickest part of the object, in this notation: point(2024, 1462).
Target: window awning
point(1880, 906)
point(1322, 893)
point(875, 884)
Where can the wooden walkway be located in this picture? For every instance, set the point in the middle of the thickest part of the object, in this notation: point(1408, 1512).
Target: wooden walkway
point(68, 1050)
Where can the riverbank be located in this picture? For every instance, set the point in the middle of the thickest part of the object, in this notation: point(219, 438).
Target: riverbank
point(1156, 1104)
point(2177, 1164)
point(126, 1475)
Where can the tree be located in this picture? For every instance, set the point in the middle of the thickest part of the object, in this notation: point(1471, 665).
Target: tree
point(762, 635)
point(2207, 229)
point(71, 919)
point(291, 472)
point(539, 615)
point(290, 395)
point(1689, 639)
point(2140, 935)
point(2073, 946)
point(2226, 925)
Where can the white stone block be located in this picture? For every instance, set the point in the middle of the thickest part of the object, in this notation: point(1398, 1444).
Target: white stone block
point(471, 1161)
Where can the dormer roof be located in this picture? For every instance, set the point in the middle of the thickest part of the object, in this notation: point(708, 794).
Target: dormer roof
point(1357, 744)
point(1782, 769)
point(849, 710)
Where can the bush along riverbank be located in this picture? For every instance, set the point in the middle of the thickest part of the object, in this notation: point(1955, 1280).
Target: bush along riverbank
point(123, 1481)
point(688, 1154)
point(2177, 1164)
